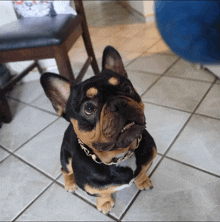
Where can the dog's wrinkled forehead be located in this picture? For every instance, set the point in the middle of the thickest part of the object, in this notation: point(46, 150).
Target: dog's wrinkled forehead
point(101, 87)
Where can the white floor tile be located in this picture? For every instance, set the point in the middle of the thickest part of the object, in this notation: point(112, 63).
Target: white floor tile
point(15, 107)
point(43, 102)
point(141, 81)
point(27, 92)
point(177, 93)
point(164, 124)
point(24, 125)
point(198, 144)
point(210, 106)
point(58, 205)
point(180, 193)
point(185, 69)
point(162, 48)
point(20, 185)
point(3, 154)
point(153, 63)
point(43, 151)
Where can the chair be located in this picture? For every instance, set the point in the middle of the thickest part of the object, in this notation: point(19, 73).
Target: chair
point(45, 37)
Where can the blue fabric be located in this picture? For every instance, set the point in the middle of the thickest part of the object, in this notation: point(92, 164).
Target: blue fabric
point(190, 28)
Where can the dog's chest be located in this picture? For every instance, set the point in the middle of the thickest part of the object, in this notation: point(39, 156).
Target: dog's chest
point(130, 163)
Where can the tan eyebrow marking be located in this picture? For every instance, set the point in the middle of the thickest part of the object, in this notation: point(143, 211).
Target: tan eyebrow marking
point(91, 92)
point(113, 81)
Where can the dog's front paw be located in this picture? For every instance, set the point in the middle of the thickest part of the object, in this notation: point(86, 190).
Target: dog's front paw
point(105, 204)
point(143, 183)
point(69, 181)
point(70, 187)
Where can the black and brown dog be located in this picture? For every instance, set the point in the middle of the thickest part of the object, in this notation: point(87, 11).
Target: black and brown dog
point(106, 146)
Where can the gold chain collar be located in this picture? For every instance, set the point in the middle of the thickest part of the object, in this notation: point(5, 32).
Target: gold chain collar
point(114, 160)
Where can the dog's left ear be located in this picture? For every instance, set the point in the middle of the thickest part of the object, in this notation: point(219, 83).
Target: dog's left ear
point(57, 89)
point(112, 60)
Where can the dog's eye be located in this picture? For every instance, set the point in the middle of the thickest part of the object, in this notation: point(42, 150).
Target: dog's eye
point(89, 108)
point(127, 88)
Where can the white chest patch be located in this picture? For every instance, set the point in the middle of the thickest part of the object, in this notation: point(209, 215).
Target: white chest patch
point(131, 163)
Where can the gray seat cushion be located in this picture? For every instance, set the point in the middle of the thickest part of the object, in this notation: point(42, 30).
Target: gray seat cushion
point(35, 32)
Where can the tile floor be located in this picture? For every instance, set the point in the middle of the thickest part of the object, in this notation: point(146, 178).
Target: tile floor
point(182, 111)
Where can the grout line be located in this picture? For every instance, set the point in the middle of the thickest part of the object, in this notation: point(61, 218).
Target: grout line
point(196, 168)
point(168, 107)
point(32, 166)
point(160, 76)
point(211, 117)
point(33, 201)
point(143, 72)
point(33, 106)
point(129, 206)
point(83, 199)
point(36, 134)
point(77, 195)
point(195, 80)
point(143, 53)
point(42, 192)
point(181, 130)
point(7, 153)
point(167, 53)
point(181, 110)
point(169, 76)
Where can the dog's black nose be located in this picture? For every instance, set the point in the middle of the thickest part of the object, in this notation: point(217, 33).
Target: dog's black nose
point(118, 106)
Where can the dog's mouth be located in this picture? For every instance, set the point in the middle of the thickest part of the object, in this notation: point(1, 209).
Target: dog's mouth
point(127, 126)
point(128, 133)
point(120, 126)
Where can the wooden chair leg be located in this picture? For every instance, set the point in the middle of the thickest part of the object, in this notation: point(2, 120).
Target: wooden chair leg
point(63, 63)
point(90, 52)
point(5, 112)
point(86, 37)
point(89, 48)
point(40, 70)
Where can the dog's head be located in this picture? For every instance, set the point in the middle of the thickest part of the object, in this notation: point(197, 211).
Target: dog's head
point(105, 110)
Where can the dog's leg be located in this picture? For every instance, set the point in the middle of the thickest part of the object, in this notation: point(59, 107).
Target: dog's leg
point(142, 181)
point(105, 201)
point(69, 181)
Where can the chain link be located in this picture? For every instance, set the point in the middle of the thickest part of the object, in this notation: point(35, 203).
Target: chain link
point(117, 160)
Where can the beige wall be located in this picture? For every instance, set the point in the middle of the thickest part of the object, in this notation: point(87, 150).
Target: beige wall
point(148, 8)
point(145, 8)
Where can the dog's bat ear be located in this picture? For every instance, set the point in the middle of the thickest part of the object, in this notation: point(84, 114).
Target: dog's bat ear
point(57, 89)
point(112, 60)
